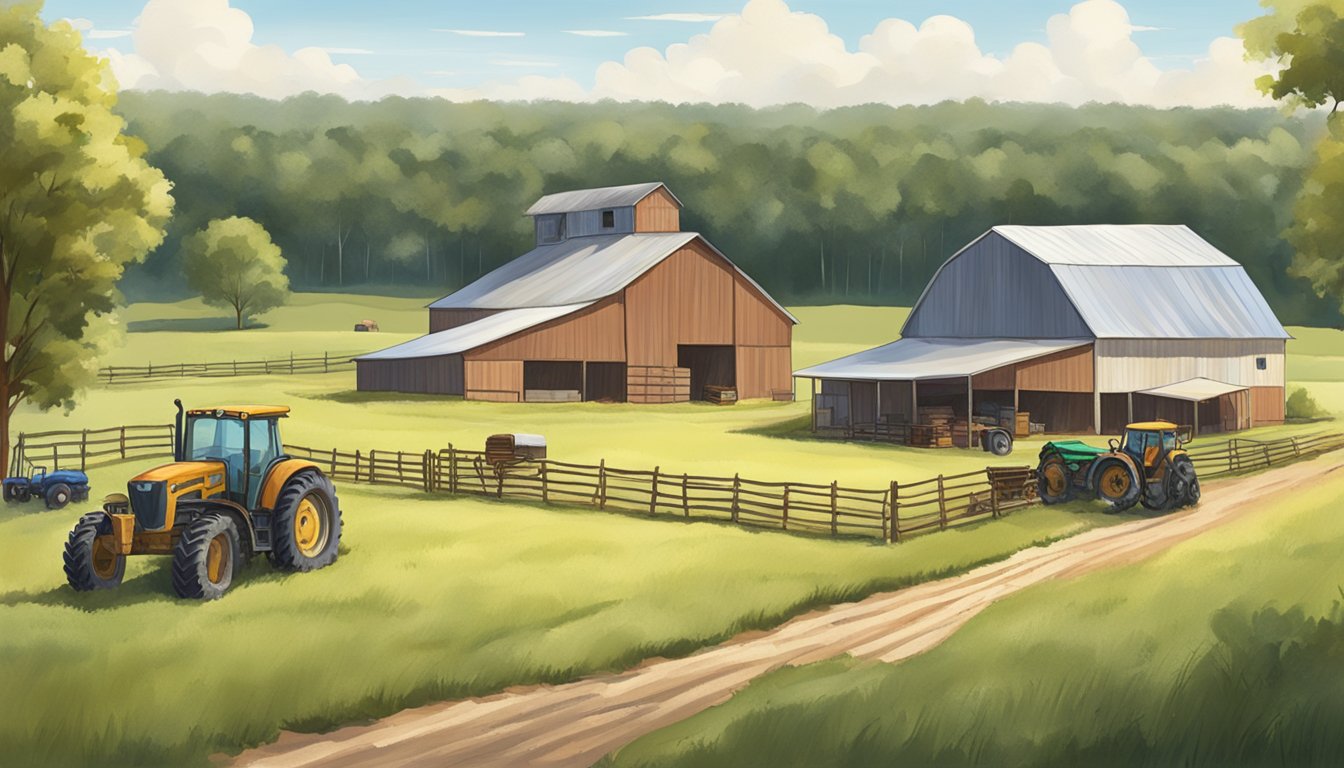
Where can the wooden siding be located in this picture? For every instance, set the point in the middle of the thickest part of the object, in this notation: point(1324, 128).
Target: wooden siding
point(687, 299)
point(425, 375)
point(1067, 371)
point(998, 379)
point(444, 319)
point(494, 380)
point(1132, 365)
point(762, 371)
point(1267, 405)
point(658, 384)
point(658, 213)
point(595, 334)
point(589, 223)
point(758, 322)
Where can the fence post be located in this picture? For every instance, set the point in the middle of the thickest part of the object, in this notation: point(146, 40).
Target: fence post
point(1264, 448)
point(55, 458)
point(895, 511)
point(942, 506)
point(737, 488)
point(685, 493)
point(452, 469)
point(122, 442)
point(653, 496)
point(325, 368)
point(835, 512)
point(356, 465)
point(545, 493)
point(993, 495)
point(1297, 450)
point(83, 450)
point(291, 363)
point(785, 521)
point(235, 367)
point(400, 473)
point(602, 484)
point(373, 465)
point(333, 463)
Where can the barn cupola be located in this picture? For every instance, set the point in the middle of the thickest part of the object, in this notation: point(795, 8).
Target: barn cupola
point(631, 209)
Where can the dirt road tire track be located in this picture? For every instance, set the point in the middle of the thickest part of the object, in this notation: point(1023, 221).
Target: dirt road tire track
point(572, 725)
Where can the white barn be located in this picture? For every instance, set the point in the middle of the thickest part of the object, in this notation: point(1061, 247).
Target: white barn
point(1085, 327)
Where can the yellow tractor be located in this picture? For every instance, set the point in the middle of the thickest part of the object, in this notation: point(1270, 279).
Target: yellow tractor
point(1149, 465)
point(230, 493)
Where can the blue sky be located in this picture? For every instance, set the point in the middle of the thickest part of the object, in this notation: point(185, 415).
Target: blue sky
point(400, 38)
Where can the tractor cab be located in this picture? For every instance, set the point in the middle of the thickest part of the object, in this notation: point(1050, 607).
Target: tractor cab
point(1151, 443)
point(245, 439)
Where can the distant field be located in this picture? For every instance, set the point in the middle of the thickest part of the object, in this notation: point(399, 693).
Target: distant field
point(1222, 651)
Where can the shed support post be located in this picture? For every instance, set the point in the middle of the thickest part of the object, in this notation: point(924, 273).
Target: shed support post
point(970, 408)
point(1130, 408)
point(583, 382)
point(1196, 432)
point(814, 405)
point(877, 408)
point(914, 401)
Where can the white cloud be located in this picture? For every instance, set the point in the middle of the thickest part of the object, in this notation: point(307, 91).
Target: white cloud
point(522, 63)
point(689, 18)
point(595, 33)
point(769, 54)
point(206, 45)
point(108, 34)
point(481, 33)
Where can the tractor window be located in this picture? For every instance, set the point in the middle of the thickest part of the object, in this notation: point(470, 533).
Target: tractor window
point(263, 441)
point(1134, 442)
point(210, 438)
point(1169, 441)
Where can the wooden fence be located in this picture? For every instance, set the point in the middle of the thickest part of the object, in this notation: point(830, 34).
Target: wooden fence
point(130, 374)
point(891, 513)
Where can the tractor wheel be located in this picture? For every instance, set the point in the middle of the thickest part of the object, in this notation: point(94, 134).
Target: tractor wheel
point(1054, 481)
point(22, 494)
point(1000, 442)
point(58, 495)
point(91, 562)
point(1116, 485)
point(306, 527)
point(1185, 483)
point(1157, 498)
point(11, 493)
point(206, 557)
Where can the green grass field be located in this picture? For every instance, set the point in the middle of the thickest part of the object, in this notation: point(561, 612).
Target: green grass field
point(434, 597)
point(1222, 651)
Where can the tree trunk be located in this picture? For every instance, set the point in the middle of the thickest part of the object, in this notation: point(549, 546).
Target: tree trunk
point(238, 316)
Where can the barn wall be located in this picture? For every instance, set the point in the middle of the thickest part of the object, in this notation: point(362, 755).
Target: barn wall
point(1267, 405)
point(425, 375)
point(589, 223)
point(495, 380)
point(444, 319)
point(763, 371)
point(994, 289)
point(657, 213)
point(1130, 365)
point(595, 334)
point(1067, 371)
point(687, 299)
point(999, 378)
point(757, 322)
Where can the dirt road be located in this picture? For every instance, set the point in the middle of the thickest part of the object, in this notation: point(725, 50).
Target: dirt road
point(576, 723)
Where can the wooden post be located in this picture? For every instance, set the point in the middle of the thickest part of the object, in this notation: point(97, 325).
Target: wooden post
point(333, 463)
point(993, 493)
point(835, 509)
point(785, 523)
point(326, 365)
point(291, 363)
point(970, 409)
point(356, 465)
point(1264, 447)
point(886, 515)
point(601, 484)
point(814, 404)
point(1297, 450)
point(83, 450)
point(1129, 397)
point(877, 408)
point(914, 401)
point(653, 495)
point(685, 494)
point(235, 367)
point(452, 469)
point(427, 471)
point(895, 505)
point(55, 457)
point(942, 506)
point(737, 487)
point(545, 492)
point(122, 441)
point(373, 465)
point(400, 474)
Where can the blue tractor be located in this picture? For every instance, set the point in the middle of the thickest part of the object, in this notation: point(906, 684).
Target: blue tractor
point(56, 488)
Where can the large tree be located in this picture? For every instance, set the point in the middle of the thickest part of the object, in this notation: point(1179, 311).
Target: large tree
point(78, 202)
point(1306, 38)
point(233, 263)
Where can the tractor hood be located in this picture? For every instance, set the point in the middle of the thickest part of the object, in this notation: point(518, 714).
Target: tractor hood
point(180, 471)
point(1073, 450)
point(154, 494)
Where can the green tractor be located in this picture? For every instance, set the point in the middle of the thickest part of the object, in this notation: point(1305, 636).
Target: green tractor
point(1148, 466)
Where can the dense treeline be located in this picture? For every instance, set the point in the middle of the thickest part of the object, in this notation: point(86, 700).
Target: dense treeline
point(855, 204)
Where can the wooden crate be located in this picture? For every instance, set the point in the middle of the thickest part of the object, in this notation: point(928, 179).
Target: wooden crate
point(658, 384)
point(553, 396)
point(1022, 424)
point(721, 395)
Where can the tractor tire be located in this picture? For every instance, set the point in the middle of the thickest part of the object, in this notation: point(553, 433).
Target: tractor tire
point(1185, 483)
point(90, 562)
point(1054, 481)
point(1157, 498)
point(11, 493)
point(1000, 443)
point(306, 525)
point(1115, 484)
point(207, 557)
point(58, 495)
point(22, 494)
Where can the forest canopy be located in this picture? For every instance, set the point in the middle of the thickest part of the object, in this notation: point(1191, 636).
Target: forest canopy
point(857, 205)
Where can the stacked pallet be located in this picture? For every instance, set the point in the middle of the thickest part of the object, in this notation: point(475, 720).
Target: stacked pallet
point(721, 395)
point(1022, 424)
point(930, 436)
point(658, 384)
point(552, 396)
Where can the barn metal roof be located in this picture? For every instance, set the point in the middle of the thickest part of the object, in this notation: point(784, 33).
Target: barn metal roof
point(1121, 245)
point(580, 270)
point(919, 359)
point(1195, 390)
point(472, 335)
point(595, 199)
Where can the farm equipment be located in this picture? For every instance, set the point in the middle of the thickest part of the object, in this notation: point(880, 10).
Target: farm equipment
point(230, 493)
point(1149, 465)
point(57, 488)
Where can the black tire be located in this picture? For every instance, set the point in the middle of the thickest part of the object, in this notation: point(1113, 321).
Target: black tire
point(58, 495)
point(1000, 442)
point(295, 546)
point(207, 557)
point(1185, 483)
point(1120, 496)
point(11, 493)
point(22, 494)
point(1157, 498)
point(1052, 475)
point(89, 565)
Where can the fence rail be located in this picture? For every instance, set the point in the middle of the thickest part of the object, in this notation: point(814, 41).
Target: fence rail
point(891, 513)
point(131, 374)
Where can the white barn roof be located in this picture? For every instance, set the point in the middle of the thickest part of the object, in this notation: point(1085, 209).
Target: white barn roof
point(918, 359)
point(472, 335)
point(582, 270)
point(595, 199)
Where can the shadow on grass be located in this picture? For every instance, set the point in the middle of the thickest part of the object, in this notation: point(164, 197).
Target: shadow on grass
point(153, 586)
point(355, 396)
point(190, 325)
